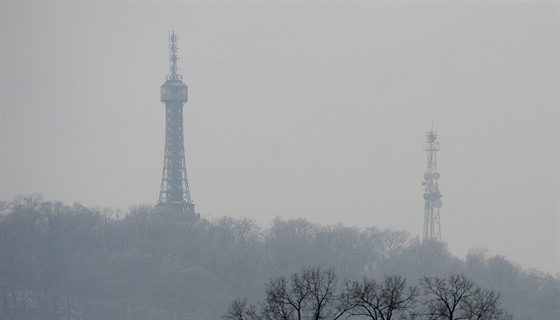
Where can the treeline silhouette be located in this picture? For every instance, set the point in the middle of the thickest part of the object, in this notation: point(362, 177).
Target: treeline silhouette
point(314, 294)
point(71, 262)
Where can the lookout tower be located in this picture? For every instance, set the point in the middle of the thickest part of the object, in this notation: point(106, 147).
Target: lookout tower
point(174, 192)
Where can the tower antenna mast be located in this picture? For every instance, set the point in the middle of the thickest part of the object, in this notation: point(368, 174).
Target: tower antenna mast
point(173, 58)
point(432, 195)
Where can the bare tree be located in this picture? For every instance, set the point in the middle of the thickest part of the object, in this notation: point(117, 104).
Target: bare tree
point(308, 294)
point(382, 301)
point(240, 310)
point(457, 298)
point(485, 305)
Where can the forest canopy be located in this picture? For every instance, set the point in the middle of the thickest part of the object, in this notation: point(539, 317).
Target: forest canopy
point(73, 262)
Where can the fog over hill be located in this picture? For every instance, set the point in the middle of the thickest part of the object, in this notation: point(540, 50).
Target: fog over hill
point(72, 262)
point(304, 136)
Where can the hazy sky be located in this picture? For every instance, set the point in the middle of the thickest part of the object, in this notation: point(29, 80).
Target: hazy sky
point(314, 110)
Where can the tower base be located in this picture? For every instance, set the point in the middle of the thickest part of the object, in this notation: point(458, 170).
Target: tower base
point(184, 208)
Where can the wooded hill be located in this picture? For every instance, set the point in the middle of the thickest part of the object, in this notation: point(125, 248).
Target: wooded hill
point(71, 262)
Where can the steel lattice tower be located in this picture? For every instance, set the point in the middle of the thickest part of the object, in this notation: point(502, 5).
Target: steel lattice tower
point(432, 195)
point(174, 193)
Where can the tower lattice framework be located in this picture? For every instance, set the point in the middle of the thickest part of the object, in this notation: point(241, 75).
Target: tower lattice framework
point(174, 192)
point(432, 195)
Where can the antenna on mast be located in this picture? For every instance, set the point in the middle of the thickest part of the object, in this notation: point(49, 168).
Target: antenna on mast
point(432, 195)
point(173, 48)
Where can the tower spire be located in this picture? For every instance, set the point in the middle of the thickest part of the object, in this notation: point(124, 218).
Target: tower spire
point(173, 57)
point(174, 192)
point(432, 195)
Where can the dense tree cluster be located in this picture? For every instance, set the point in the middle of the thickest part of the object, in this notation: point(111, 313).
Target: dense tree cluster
point(71, 262)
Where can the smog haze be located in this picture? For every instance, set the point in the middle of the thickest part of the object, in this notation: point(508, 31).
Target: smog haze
point(312, 110)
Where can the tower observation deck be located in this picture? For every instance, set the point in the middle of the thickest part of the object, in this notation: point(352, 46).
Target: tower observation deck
point(174, 192)
point(432, 195)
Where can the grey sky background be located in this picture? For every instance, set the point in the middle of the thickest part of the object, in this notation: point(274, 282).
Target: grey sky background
point(313, 110)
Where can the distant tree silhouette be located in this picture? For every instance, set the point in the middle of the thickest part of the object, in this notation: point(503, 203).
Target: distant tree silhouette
point(457, 298)
point(381, 300)
point(308, 294)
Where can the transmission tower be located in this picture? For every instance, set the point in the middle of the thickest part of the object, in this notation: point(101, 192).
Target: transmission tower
point(432, 195)
point(174, 192)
